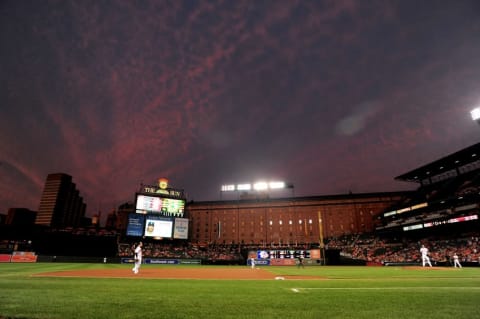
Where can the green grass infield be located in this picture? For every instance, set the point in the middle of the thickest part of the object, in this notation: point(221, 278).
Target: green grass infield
point(342, 292)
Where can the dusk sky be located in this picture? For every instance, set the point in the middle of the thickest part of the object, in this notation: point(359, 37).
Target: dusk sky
point(332, 96)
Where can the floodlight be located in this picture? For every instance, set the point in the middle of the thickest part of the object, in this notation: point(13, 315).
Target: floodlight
point(276, 185)
point(228, 188)
point(260, 186)
point(475, 113)
point(244, 187)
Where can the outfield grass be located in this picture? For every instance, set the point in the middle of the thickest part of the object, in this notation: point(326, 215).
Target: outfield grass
point(347, 292)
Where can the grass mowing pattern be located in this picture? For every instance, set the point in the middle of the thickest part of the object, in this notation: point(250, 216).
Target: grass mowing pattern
point(347, 292)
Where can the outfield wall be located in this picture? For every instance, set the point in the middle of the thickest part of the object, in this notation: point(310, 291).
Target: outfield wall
point(284, 262)
point(19, 257)
point(285, 257)
point(161, 261)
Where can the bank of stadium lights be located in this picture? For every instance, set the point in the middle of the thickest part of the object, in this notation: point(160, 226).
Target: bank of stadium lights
point(259, 186)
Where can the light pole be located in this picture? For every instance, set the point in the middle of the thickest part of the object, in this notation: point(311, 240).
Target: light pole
point(320, 230)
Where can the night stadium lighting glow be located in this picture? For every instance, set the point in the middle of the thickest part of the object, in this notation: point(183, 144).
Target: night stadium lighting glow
point(228, 188)
point(475, 113)
point(259, 186)
point(276, 185)
point(244, 187)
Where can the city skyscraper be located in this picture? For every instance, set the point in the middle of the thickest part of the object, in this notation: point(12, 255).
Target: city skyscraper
point(61, 204)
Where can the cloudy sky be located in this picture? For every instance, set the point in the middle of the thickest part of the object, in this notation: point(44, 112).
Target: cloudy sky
point(332, 96)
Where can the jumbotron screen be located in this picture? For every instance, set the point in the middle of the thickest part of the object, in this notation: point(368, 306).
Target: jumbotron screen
point(158, 227)
point(158, 217)
point(156, 204)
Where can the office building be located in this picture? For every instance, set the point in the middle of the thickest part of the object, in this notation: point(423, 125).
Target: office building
point(61, 204)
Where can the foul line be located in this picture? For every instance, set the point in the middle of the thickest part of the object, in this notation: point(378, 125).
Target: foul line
point(297, 290)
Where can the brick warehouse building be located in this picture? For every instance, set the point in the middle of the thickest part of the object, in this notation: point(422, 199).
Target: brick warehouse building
point(286, 221)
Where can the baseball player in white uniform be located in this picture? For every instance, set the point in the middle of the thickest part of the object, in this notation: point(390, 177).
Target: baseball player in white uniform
point(138, 258)
point(425, 258)
point(456, 261)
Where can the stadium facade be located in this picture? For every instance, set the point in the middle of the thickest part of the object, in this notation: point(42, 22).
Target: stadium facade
point(286, 221)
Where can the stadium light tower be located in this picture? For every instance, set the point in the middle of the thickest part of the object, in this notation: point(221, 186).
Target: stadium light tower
point(258, 187)
point(475, 113)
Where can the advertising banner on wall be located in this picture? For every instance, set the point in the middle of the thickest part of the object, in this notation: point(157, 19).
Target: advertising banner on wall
point(315, 254)
point(23, 257)
point(180, 230)
point(282, 262)
point(4, 258)
point(135, 225)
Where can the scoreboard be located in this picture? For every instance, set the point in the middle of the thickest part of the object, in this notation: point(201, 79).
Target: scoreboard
point(158, 216)
point(156, 204)
point(287, 253)
point(284, 257)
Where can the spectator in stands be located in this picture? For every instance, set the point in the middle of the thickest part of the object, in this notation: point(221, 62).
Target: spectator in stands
point(456, 262)
point(138, 258)
point(425, 258)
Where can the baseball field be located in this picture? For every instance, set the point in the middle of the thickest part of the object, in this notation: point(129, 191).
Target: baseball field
point(64, 290)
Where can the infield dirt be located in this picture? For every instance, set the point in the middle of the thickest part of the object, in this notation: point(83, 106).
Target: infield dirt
point(176, 273)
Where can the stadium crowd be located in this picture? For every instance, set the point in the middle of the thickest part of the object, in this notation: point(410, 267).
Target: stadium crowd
point(368, 248)
point(186, 251)
point(376, 250)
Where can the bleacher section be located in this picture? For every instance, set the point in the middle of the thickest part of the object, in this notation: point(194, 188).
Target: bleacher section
point(448, 195)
